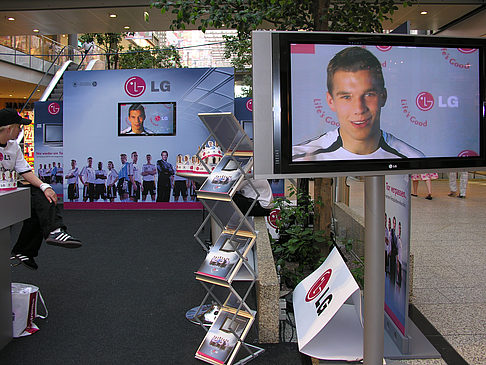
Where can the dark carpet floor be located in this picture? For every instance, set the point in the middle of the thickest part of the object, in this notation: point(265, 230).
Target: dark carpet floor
point(122, 297)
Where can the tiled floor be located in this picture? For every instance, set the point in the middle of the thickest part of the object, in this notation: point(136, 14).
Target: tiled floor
point(449, 275)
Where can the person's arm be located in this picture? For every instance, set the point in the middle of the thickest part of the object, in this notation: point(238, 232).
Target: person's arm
point(50, 195)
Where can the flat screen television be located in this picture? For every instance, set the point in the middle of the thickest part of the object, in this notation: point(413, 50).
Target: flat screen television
point(147, 119)
point(52, 133)
point(393, 104)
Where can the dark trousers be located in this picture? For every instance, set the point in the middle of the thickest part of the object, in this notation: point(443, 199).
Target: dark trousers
point(44, 218)
point(244, 203)
point(163, 189)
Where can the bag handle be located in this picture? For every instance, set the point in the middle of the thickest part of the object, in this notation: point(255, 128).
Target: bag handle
point(44, 305)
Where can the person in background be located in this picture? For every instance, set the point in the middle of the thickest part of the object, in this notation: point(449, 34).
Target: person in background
point(463, 179)
point(111, 182)
point(72, 180)
point(427, 178)
point(149, 170)
point(166, 177)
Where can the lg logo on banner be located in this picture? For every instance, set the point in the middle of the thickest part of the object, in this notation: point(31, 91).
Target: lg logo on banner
point(53, 108)
point(249, 105)
point(135, 86)
point(316, 290)
point(425, 101)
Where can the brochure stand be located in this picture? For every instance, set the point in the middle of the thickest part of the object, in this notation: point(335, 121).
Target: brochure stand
point(231, 257)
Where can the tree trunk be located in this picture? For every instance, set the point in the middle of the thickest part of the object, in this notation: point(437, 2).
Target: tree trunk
point(320, 10)
point(323, 211)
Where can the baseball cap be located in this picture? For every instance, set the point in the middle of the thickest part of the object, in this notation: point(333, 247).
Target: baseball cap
point(10, 116)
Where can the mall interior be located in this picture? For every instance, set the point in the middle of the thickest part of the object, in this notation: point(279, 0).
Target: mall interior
point(124, 297)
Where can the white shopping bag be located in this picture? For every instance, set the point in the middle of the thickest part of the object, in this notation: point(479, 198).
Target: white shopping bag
point(327, 307)
point(25, 298)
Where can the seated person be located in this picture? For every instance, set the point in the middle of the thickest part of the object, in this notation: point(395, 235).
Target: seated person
point(245, 196)
point(46, 220)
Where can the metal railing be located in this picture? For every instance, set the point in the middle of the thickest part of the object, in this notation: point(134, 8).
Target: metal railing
point(39, 52)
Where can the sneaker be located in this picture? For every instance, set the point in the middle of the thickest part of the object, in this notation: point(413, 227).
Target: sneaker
point(452, 193)
point(63, 239)
point(17, 259)
point(461, 196)
point(428, 197)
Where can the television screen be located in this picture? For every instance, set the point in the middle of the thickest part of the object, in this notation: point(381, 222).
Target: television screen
point(147, 119)
point(345, 103)
point(53, 133)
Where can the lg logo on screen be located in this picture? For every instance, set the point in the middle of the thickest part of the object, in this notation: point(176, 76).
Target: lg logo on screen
point(135, 86)
point(316, 290)
point(53, 108)
point(425, 101)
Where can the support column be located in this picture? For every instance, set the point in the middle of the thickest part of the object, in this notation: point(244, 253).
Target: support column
point(374, 283)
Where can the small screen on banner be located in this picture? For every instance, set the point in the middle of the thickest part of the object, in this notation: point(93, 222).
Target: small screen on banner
point(147, 119)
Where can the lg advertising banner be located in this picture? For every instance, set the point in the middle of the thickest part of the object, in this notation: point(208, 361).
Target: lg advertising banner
point(417, 108)
point(327, 307)
point(397, 249)
point(48, 142)
point(123, 131)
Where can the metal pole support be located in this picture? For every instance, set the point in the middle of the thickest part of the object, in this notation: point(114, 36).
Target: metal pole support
point(374, 283)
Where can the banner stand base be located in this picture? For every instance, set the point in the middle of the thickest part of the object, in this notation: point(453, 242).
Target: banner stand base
point(418, 345)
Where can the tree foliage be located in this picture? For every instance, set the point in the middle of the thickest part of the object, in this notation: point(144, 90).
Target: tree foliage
point(111, 42)
point(248, 15)
point(138, 57)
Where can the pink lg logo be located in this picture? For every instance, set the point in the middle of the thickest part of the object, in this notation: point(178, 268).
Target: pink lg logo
point(424, 101)
point(135, 86)
point(467, 50)
point(53, 108)
point(318, 286)
point(249, 105)
point(384, 48)
point(468, 153)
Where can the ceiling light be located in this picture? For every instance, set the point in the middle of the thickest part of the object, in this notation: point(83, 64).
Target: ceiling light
point(126, 27)
point(423, 13)
point(35, 30)
point(10, 95)
point(112, 15)
point(10, 18)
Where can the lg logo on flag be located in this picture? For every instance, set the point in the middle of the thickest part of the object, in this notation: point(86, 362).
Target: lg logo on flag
point(316, 290)
point(135, 86)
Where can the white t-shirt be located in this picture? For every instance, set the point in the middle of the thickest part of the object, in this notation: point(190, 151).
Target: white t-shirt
point(12, 158)
point(112, 176)
point(149, 168)
point(329, 146)
point(88, 174)
point(137, 176)
point(263, 187)
point(100, 173)
point(74, 173)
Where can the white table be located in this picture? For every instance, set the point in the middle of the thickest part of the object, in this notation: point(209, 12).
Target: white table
point(14, 208)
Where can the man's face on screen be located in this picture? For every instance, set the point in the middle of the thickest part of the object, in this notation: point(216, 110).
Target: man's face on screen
point(357, 100)
point(136, 119)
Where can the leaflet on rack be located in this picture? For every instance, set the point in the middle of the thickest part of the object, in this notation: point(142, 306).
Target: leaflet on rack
point(220, 345)
point(223, 181)
point(222, 261)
